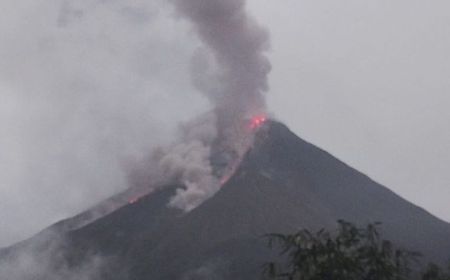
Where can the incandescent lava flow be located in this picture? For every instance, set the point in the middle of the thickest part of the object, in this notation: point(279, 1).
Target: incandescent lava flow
point(257, 121)
point(253, 124)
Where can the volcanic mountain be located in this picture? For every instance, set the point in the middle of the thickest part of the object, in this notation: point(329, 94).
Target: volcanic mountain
point(283, 184)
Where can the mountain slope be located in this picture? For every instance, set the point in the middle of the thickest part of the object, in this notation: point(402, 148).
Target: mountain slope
point(282, 185)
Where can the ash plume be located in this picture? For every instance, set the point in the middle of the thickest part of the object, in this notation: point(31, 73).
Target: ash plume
point(189, 163)
point(45, 258)
point(185, 161)
point(231, 70)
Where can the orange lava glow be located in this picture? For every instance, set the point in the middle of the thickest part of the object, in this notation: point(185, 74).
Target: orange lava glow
point(134, 200)
point(257, 122)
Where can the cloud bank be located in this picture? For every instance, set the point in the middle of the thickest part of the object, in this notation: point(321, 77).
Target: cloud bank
point(85, 87)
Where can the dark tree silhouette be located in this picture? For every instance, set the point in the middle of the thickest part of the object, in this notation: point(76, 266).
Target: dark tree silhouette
point(350, 253)
point(434, 272)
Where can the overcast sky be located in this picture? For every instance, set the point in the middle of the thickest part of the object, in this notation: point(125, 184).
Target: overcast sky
point(86, 86)
point(369, 81)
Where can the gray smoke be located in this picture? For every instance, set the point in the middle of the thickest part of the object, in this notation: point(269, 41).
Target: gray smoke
point(231, 70)
point(188, 162)
point(81, 93)
point(44, 258)
point(85, 86)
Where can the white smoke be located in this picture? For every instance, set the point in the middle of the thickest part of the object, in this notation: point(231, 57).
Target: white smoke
point(186, 162)
point(44, 258)
point(190, 163)
point(84, 87)
point(84, 82)
point(231, 70)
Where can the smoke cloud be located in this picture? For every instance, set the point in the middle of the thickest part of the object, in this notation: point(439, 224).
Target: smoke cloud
point(44, 258)
point(85, 87)
point(81, 97)
point(190, 163)
point(231, 70)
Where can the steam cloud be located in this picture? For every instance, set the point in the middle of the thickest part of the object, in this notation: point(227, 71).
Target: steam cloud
point(231, 71)
point(59, 77)
point(44, 258)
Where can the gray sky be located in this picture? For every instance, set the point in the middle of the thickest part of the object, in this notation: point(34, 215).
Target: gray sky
point(369, 82)
point(86, 86)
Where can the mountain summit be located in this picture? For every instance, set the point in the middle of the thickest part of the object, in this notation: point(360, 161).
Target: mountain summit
point(283, 184)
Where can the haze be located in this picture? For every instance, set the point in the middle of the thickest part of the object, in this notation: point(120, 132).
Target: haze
point(87, 87)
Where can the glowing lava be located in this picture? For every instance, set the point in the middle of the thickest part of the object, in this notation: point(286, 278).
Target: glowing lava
point(253, 124)
point(257, 121)
point(133, 200)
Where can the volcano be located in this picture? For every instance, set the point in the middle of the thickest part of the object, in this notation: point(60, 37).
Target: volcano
point(283, 184)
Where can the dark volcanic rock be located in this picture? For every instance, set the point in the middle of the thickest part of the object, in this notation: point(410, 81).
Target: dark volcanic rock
point(283, 184)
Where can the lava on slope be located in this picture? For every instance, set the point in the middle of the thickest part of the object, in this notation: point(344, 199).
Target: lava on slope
point(257, 121)
point(254, 124)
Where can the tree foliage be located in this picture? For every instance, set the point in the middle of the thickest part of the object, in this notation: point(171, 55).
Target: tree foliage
point(434, 272)
point(351, 253)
